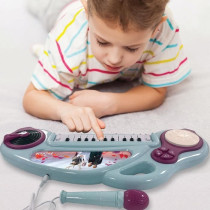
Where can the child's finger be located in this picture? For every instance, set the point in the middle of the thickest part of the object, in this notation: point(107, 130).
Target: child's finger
point(78, 124)
point(95, 126)
point(86, 122)
point(70, 124)
point(101, 123)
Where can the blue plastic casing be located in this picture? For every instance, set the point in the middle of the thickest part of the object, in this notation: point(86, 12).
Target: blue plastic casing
point(139, 171)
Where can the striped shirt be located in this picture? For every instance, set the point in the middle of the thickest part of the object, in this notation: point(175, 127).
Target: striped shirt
point(67, 61)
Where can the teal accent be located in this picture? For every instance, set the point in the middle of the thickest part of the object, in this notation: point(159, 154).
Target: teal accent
point(156, 41)
point(170, 46)
point(170, 25)
point(56, 95)
point(76, 53)
point(40, 84)
point(169, 83)
point(74, 37)
point(93, 83)
point(100, 198)
point(44, 88)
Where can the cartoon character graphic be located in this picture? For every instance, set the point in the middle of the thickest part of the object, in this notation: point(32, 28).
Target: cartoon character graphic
point(84, 160)
point(78, 160)
point(95, 159)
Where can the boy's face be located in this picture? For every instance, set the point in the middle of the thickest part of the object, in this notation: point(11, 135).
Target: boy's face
point(114, 48)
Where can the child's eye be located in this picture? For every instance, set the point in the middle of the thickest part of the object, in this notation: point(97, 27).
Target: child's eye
point(132, 49)
point(102, 43)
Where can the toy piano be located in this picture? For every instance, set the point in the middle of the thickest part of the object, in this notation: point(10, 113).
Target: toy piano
point(122, 161)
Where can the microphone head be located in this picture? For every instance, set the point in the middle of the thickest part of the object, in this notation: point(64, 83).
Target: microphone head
point(135, 200)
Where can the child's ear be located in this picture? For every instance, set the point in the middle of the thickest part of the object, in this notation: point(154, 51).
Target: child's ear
point(157, 29)
point(84, 2)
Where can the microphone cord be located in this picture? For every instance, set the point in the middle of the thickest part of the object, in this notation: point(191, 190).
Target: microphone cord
point(33, 206)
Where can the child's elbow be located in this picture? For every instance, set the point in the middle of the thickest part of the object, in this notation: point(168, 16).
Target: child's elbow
point(161, 95)
point(28, 98)
point(25, 102)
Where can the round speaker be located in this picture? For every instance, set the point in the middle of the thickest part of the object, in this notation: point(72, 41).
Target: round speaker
point(24, 138)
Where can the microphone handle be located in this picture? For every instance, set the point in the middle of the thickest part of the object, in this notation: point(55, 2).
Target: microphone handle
point(100, 198)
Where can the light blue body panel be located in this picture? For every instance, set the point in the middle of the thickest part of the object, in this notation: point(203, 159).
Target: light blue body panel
point(139, 171)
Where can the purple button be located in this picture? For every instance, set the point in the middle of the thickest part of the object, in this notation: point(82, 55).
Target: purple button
point(171, 152)
point(166, 156)
point(164, 149)
point(158, 153)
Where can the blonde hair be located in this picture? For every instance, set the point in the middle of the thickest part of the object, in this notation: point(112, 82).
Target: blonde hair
point(140, 14)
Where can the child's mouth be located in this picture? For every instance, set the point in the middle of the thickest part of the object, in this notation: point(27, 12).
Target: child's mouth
point(113, 68)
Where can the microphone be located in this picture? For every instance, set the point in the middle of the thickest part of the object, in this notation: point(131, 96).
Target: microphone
point(129, 199)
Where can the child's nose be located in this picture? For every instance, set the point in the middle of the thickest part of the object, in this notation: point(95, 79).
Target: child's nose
point(114, 57)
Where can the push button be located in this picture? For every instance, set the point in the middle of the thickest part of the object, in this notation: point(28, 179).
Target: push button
point(164, 149)
point(166, 156)
point(171, 152)
point(158, 153)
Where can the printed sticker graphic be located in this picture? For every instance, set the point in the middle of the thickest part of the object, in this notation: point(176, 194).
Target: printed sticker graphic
point(79, 160)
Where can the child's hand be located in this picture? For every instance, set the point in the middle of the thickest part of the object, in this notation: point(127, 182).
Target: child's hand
point(81, 119)
point(100, 102)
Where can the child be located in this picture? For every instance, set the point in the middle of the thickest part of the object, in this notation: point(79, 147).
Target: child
point(95, 42)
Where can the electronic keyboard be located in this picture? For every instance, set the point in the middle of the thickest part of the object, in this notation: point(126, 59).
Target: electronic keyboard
point(124, 161)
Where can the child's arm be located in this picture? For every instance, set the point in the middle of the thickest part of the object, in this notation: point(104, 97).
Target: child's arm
point(139, 98)
point(81, 119)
